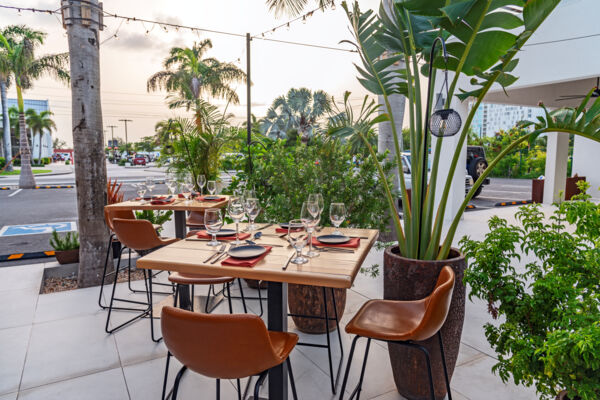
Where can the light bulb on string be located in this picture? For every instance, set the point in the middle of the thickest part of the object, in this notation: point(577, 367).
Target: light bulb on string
point(304, 19)
point(19, 12)
point(288, 26)
point(333, 5)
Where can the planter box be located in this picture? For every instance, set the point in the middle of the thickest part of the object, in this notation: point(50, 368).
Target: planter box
point(67, 256)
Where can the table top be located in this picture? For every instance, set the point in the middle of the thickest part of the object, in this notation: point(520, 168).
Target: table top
point(330, 269)
point(177, 205)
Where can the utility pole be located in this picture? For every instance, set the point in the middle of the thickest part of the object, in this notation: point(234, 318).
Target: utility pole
point(126, 121)
point(112, 136)
point(248, 100)
point(83, 21)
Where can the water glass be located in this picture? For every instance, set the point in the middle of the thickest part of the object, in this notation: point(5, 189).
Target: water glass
point(252, 207)
point(201, 183)
point(141, 191)
point(236, 212)
point(310, 217)
point(150, 184)
point(337, 215)
point(213, 221)
point(211, 186)
point(297, 239)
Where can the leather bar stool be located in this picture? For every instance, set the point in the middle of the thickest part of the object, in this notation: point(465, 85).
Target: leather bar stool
point(404, 323)
point(223, 346)
point(180, 278)
point(140, 236)
point(195, 220)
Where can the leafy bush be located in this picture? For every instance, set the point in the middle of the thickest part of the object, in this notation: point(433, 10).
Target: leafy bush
point(284, 176)
point(16, 162)
point(68, 162)
point(69, 242)
point(122, 162)
point(2, 162)
point(549, 334)
point(155, 217)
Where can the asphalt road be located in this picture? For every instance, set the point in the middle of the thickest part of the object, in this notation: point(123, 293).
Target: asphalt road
point(502, 190)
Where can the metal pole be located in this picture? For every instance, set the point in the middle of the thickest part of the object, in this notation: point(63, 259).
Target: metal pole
point(112, 135)
point(126, 121)
point(248, 102)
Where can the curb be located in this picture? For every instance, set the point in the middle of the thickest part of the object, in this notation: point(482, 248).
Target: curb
point(470, 207)
point(26, 256)
point(513, 203)
point(54, 187)
point(4, 188)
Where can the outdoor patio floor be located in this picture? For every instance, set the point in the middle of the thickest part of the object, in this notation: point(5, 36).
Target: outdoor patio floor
point(53, 346)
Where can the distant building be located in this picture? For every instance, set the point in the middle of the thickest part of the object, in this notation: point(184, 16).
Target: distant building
point(46, 140)
point(491, 118)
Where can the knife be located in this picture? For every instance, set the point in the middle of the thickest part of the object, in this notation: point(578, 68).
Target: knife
point(220, 251)
point(288, 261)
point(265, 227)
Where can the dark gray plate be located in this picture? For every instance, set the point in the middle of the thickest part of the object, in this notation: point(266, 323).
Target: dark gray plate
point(285, 225)
point(246, 251)
point(333, 239)
point(226, 232)
point(213, 197)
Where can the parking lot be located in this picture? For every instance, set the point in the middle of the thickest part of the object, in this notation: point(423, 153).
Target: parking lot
point(503, 190)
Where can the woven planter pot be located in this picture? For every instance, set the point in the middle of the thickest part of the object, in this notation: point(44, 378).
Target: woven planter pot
point(308, 300)
point(408, 279)
point(67, 256)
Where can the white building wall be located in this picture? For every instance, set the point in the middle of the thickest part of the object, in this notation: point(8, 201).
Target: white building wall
point(585, 163)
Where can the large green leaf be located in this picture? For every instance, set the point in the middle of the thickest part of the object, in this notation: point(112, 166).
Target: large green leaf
point(536, 11)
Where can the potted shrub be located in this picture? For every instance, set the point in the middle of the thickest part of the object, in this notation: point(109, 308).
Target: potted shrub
point(397, 47)
point(66, 249)
point(546, 311)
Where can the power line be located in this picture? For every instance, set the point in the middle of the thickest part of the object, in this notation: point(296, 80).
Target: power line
point(306, 44)
point(300, 17)
point(563, 40)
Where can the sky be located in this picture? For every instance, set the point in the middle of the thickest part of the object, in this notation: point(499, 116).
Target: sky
point(139, 49)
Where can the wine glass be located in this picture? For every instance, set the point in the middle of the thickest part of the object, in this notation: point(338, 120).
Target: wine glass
point(201, 183)
point(171, 185)
point(337, 215)
point(317, 198)
point(309, 216)
point(297, 239)
point(141, 191)
point(211, 186)
point(213, 220)
point(188, 185)
point(236, 213)
point(252, 207)
point(150, 184)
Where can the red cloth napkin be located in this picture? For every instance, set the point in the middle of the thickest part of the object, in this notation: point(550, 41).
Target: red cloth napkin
point(203, 198)
point(206, 235)
point(181, 196)
point(285, 230)
point(353, 243)
point(246, 262)
point(145, 198)
point(161, 202)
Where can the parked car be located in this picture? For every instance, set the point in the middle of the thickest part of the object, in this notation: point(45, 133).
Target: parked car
point(139, 160)
point(476, 164)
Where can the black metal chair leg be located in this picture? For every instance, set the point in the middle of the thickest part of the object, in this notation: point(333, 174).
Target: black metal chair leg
point(239, 389)
point(439, 335)
point(164, 389)
point(192, 298)
point(337, 324)
point(241, 294)
point(218, 389)
point(229, 299)
point(429, 374)
point(150, 307)
point(259, 382)
point(260, 299)
point(207, 299)
point(348, 366)
point(292, 382)
point(176, 295)
point(362, 373)
point(110, 239)
point(177, 380)
point(328, 336)
point(112, 295)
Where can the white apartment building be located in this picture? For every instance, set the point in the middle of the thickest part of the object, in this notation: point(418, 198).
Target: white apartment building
point(491, 118)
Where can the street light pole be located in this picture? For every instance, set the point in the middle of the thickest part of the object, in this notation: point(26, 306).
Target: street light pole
point(112, 136)
point(248, 102)
point(126, 142)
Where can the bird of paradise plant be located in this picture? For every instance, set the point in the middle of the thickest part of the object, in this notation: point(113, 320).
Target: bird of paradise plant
point(482, 45)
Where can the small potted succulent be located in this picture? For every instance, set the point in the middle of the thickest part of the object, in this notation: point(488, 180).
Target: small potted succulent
point(546, 308)
point(66, 249)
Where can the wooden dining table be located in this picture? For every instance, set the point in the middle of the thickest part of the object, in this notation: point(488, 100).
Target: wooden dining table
point(331, 269)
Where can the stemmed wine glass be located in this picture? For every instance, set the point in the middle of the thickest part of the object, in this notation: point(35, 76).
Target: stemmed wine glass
point(213, 220)
point(310, 216)
point(252, 207)
point(317, 198)
point(337, 215)
point(201, 182)
point(150, 185)
point(297, 238)
point(171, 185)
point(211, 186)
point(188, 185)
point(236, 213)
point(141, 191)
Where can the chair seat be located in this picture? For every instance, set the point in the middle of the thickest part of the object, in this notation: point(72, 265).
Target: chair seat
point(197, 279)
point(388, 319)
point(283, 343)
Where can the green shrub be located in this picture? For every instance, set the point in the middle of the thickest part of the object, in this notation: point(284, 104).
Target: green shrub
point(155, 217)
point(69, 242)
point(284, 176)
point(548, 312)
point(2, 162)
point(16, 162)
point(68, 162)
point(122, 162)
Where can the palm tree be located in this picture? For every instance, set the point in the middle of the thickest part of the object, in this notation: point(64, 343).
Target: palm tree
point(187, 76)
point(25, 68)
point(300, 109)
point(39, 123)
point(294, 7)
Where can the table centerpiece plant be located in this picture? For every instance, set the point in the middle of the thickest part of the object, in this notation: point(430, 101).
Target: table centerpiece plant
point(483, 39)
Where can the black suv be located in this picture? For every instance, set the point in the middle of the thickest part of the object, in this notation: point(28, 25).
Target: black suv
point(476, 164)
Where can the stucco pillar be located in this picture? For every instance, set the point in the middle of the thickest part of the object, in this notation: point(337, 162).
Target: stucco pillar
point(557, 156)
point(586, 163)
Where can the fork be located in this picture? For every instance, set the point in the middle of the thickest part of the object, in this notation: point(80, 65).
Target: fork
point(220, 251)
point(334, 249)
point(223, 254)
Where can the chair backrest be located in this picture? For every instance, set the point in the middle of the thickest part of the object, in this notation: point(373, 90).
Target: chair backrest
point(437, 305)
point(137, 234)
point(223, 346)
point(110, 214)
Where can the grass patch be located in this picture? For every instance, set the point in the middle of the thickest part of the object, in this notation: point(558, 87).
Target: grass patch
point(35, 171)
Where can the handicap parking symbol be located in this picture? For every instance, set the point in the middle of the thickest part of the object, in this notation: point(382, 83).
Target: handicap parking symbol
point(36, 229)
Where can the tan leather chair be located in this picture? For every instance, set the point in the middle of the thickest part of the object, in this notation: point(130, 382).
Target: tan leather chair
point(140, 236)
point(195, 220)
point(404, 322)
point(223, 346)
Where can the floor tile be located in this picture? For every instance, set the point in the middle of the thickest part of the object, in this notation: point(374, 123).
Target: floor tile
point(68, 348)
point(68, 304)
point(103, 385)
point(9, 396)
point(17, 307)
point(27, 277)
point(13, 348)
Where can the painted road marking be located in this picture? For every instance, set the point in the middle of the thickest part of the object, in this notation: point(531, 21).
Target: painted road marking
point(12, 194)
point(36, 229)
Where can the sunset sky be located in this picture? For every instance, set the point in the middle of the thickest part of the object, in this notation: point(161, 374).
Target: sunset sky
point(127, 61)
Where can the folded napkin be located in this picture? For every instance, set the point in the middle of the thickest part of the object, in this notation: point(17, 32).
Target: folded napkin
point(285, 230)
point(203, 198)
point(353, 243)
point(206, 235)
point(181, 196)
point(245, 262)
point(143, 198)
point(159, 202)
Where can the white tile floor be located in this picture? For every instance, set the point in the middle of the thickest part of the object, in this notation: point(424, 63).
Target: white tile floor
point(53, 346)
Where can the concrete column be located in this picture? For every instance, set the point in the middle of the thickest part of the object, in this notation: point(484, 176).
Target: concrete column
point(449, 145)
point(557, 156)
point(585, 163)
